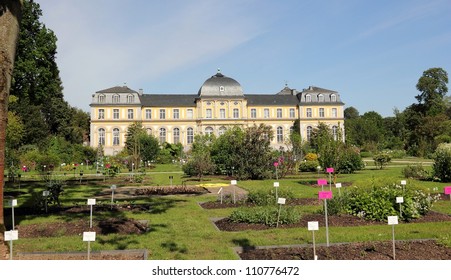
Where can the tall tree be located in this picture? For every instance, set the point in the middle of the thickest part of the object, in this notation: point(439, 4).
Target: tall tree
point(36, 80)
point(10, 14)
point(433, 88)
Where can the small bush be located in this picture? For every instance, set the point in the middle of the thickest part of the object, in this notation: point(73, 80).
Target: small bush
point(382, 159)
point(311, 157)
point(308, 166)
point(266, 215)
point(379, 201)
point(263, 198)
point(415, 172)
point(442, 162)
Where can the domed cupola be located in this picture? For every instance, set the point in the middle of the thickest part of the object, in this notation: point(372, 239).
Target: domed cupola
point(220, 85)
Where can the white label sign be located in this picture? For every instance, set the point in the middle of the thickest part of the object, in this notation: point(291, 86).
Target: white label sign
point(276, 184)
point(281, 200)
point(233, 182)
point(403, 182)
point(312, 226)
point(11, 235)
point(392, 220)
point(91, 201)
point(338, 185)
point(113, 187)
point(45, 193)
point(14, 202)
point(220, 190)
point(399, 199)
point(89, 236)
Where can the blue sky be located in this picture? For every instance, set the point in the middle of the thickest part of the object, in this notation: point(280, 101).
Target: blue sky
point(371, 52)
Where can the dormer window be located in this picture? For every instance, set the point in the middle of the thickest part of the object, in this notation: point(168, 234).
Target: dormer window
point(308, 98)
point(320, 98)
point(333, 98)
point(101, 98)
point(130, 98)
point(116, 98)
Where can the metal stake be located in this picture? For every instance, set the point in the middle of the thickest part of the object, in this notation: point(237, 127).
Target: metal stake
point(327, 223)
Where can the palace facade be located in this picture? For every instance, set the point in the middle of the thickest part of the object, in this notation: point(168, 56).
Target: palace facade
point(219, 104)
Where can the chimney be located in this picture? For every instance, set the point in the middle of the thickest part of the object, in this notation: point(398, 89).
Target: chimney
point(140, 91)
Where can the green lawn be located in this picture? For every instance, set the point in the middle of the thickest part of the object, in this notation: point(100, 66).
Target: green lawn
point(181, 229)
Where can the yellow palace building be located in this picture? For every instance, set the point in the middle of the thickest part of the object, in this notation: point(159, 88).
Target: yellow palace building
point(219, 104)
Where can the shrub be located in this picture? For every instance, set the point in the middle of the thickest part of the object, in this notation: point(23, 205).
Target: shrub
point(415, 172)
point(311, 157)
point(366, 154)
point(396, 153)
point(349, 161)
point(266, 215)
point(381, 159)
point(263, 198)
point(442, 162)
point(308, 166)
point(379, 201)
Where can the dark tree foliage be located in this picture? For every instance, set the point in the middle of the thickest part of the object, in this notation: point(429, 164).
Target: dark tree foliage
point(37, 84)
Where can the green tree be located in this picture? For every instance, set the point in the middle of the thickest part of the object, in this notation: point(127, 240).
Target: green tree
point(351, 113)
point(199, 161)
point(225, 151)
point(36, 82)
point(140, 145)
point(442, 163)
point(433, 88)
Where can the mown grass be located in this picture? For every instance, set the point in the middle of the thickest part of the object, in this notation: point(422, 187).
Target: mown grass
point(181, 229)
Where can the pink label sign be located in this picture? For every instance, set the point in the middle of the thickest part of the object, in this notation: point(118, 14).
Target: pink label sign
point(330, 170)
point(325, 195)
point(322, 182)
point(447, 190)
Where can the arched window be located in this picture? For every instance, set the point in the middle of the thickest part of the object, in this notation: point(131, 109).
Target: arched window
point(208, 130)
point(162, 137)
point(320, 98)
point(130, 98)
point(116, 137)
point(308, 98)
point(309, 132)
point(101, 98)
point(176, 135)
point(116, 98)
point(102, 136)
point(149, 131)
point(236, 113)
point(335, 132)
point(279, 133)
point(222, 130)
point(333, 98)
point(189, 135)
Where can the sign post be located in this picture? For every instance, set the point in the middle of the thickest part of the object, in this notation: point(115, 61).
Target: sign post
point(276, 186)
point(91, 202)
point(318, 168)
point(89, 236)
point(45, 194)
point(400, 200)
point(393, 220)
point(330, 170)
point(10, 236)
point(448, 191)
point(113, 187)
point(322, 182)
point(325, 195)
point(403, 184)
point(338, 186)
point(13, 203)
point(233, 183)
point(312, 226)
point(275, 165)
point(170, 178)
point(280, 201)
point(220, 192)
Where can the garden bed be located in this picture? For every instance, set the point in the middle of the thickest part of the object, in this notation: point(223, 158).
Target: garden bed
point(380, 250)
point(239, 203)
point(337, 220)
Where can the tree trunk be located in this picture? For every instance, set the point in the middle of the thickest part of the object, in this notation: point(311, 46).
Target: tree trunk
point(10, 14)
